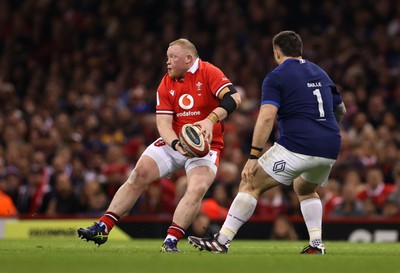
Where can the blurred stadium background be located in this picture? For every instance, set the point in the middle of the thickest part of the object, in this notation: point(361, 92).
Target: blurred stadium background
point(77, 100)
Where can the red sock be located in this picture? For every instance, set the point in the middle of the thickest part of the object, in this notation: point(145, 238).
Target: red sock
point(176, 231)
point(110, 219)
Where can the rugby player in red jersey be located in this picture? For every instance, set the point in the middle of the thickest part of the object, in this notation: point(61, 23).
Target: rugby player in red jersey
point(192, 91)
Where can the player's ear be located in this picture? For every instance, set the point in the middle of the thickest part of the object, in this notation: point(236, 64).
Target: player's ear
point(277, 53)
point(189, 58)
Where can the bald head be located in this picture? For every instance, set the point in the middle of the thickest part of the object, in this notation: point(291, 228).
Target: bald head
point(185, 44)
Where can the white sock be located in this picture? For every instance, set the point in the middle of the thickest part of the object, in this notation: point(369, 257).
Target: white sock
point(241, 210)
point(102, 224)
point(312, 214)
point(173, 238)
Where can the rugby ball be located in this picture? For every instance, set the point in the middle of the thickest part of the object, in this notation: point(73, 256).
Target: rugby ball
point(192, 141)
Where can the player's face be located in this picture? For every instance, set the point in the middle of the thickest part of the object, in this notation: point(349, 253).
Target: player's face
point(177, 61)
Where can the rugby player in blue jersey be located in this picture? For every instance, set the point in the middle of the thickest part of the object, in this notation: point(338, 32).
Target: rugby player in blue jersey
point(309, 110)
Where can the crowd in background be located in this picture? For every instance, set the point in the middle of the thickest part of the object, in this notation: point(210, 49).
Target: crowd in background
point(77, 98)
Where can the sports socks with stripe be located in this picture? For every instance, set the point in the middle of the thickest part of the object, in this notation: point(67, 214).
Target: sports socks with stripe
point(175, 232)
point(312, 214)
point(241, 210)
point(109, 219)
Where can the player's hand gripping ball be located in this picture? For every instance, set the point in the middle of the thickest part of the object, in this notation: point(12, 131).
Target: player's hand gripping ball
point(192, 141)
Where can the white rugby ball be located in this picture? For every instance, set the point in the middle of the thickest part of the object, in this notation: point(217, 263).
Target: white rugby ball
point(192, 141)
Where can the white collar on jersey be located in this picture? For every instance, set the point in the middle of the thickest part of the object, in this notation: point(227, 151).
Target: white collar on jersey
point(194, 67)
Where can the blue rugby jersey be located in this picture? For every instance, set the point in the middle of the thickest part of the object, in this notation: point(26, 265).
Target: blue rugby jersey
point(306, 98)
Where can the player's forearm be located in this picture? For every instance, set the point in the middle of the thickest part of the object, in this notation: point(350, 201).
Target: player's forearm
point(339, 112)
point(164, 126)
point(220, 113)
point(168, 135)
point(262, 129)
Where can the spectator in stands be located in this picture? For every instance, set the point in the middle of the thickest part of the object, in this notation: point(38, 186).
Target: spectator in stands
point(151, 201)
point(348, 204)
point(330, 196)
point(390, 209)
point(293, 206)
point(94, 200)
point(180, 188)
point(229, 176)
point(376, 189)
point(33, 197)
point(271, 203)
point(11, 182)
point(282, 229)
point(158, 199)
point(360, 128)
point(216, 207)
point(370, 207)
point(353, 177)
point(60, 164)
point(367, 153)
point(64, 200)
point(114, 178)
point(78, 174)
point(115, 170)
point(7, 207)
point(394, 196)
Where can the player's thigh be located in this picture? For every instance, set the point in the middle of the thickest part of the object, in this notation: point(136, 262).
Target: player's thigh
point(318, 170)
point(281, 164)
point(200, 172)
point(260, 183)
point(166, 159)
point(210, 160)
point(199, 180)
point(285, 166)
point(302, 187)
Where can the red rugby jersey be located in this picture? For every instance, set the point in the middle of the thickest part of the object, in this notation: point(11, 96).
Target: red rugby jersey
point(194, 98)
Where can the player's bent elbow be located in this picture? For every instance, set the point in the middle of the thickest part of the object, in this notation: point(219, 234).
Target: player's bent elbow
point(238, 100)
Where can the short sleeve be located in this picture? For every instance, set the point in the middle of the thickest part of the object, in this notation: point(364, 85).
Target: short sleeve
point(216, 79)
point(164, 103)
point(270, 93)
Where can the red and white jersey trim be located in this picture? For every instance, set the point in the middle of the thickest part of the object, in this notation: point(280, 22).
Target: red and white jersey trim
point(165, 112)
point(222, 87)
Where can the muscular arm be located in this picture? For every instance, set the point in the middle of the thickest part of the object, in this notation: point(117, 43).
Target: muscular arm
point(164, 126)
point(264, 125)
point(219, 114)
point(262, 131)
point(339, 112)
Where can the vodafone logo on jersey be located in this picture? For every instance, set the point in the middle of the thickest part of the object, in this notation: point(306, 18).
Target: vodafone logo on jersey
point(186, 101)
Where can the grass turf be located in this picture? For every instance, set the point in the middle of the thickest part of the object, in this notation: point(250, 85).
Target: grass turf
point(143, 256)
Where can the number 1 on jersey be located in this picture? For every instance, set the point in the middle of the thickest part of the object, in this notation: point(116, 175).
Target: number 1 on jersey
point(320, 103)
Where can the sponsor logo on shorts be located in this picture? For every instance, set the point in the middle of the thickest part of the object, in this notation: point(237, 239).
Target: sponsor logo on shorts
point(279, 166)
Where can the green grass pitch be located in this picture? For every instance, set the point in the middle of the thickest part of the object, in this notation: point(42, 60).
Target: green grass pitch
point(143, 256)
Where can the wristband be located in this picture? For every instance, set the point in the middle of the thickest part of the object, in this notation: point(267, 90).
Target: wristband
point(173, 143)
point(213, 117)
point(257, 148)
point(255, 152)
